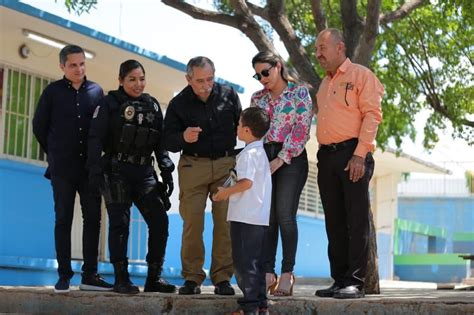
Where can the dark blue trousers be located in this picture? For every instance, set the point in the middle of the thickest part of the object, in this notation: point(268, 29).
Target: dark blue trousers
point(64, 191)
point(247, 253)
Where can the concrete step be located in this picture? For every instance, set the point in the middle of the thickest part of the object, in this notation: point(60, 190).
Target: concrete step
point(403, 301)
point(468, 281)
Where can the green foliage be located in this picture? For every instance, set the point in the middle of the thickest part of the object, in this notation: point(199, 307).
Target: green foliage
point(79, 6)
point(427, 58)
point(470, 180)
point(223, 6)
point(422, 57)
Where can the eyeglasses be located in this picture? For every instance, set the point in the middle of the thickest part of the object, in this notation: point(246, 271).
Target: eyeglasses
point(265, 73)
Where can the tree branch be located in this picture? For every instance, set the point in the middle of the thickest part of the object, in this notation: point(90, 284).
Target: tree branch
point(318, 15)
point(297, 52)
point(242, 20)
point(257, 10)
point(202, 14)
point(402, 11)
point(365, 48)
point(250, 27)
point(277, 6)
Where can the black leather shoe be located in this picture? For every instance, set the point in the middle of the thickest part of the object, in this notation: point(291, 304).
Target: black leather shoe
point(224, 288)
point(190, 287)
point(329, 292)
point(350, 292)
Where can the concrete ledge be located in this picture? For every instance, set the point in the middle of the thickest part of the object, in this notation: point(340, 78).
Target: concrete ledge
point(391, 301)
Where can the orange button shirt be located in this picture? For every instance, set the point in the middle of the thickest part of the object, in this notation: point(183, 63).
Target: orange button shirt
point(349, 106)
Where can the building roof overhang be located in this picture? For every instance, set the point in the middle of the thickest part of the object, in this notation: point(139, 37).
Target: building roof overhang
point(165, 76)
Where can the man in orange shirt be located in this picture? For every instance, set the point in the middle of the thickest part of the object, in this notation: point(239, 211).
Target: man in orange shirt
point(349, 113)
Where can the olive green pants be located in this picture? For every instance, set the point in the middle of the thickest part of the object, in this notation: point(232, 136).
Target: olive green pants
point(198, 180)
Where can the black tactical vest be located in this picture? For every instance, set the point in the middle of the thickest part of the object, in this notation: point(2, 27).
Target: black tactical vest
point(136, 128)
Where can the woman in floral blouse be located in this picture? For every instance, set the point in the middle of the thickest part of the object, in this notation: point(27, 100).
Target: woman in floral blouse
point(290, 108)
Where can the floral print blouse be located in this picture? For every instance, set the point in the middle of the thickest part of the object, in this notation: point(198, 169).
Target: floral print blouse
point(290, 118)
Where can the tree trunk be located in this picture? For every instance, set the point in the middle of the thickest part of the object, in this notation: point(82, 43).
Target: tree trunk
point(372, 276)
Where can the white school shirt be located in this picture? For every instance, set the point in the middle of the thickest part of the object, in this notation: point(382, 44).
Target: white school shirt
point(253, 205)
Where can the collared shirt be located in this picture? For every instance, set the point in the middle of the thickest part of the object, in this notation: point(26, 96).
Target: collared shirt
point(252, 206)
point(218, 118)
point(349, 106)
point(290, 118)
point(61, 124)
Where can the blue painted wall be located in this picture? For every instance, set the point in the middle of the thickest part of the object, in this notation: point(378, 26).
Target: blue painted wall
point(27, 224)
point(430, 273)
point(454, 214)
point(384, 255)
point(26, 211)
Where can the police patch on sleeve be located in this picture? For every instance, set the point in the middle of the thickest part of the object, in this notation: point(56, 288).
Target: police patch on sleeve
point(96, 112)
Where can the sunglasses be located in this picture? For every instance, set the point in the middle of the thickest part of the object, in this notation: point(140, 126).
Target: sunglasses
point(265, 73)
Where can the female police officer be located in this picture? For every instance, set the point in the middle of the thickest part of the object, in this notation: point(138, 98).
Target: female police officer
point(127, 126)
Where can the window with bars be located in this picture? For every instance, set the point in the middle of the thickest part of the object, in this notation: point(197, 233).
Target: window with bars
point(20, 93)
point(310, 200)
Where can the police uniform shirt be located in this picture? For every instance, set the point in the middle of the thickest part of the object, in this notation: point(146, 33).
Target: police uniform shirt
point(61, 125)
point(218, 118)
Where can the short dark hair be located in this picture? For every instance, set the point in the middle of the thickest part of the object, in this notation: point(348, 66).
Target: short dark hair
point(200, 62)
point(68, 50)
point(257, 120)
point(128, 66)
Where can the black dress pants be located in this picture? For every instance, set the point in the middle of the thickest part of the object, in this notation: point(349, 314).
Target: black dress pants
point(346, 208)
point(247, 253)
point(64, 191)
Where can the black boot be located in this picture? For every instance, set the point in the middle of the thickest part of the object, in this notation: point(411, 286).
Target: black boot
point(154, 282)
point(122, 279)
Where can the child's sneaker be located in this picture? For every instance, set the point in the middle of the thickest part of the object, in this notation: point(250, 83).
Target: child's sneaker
point(62, 286)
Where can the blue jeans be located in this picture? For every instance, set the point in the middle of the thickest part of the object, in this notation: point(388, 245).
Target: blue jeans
point(287, 183)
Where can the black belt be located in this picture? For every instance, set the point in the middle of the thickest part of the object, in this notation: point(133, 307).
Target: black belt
point(133, 159)
point(273, 144)
point(212, 156)
point(333, 147)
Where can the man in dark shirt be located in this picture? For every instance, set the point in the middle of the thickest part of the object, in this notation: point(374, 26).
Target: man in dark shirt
point(61, 125)
point(201, 122)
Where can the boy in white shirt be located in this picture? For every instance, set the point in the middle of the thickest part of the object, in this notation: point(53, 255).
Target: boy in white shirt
point(249, 210)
